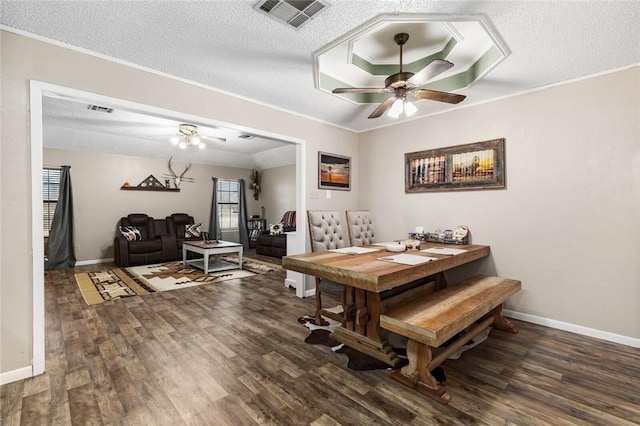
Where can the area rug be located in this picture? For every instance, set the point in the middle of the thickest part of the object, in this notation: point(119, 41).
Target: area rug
point(101, 286)
point(174, 275)
point(356, 360)
point(116, 283)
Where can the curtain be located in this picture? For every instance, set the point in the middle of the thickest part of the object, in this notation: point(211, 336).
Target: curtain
point(243, 229)
point(214, 224)
point(60, 253)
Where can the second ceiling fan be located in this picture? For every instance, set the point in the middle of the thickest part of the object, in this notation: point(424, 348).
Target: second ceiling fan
point(188, 135)
point(403, 83)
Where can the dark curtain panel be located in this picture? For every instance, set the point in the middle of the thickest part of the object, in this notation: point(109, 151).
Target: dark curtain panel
point(243, 229)
point(214, 225)
point(60, 253)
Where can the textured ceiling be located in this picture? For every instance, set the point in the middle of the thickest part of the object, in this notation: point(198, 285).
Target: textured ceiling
point(229, 46)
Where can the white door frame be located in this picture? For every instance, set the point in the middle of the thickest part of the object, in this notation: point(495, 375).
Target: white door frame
point(38, 91)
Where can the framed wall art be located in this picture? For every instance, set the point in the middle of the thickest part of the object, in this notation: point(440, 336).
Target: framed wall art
point(334, 171)
point(479, 165)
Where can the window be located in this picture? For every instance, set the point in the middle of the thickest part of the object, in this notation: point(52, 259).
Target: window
point(228, 191)
point(50, 192)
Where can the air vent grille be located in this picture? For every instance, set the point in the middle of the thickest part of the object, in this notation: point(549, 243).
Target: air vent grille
point(291, 12)
point(100, 108)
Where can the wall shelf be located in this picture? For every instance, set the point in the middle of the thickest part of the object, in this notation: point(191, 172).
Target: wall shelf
point(148, 188)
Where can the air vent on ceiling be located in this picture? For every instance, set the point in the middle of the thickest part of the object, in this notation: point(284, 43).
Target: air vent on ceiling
point(293, 13)
point(245, 136)
point(100, 108)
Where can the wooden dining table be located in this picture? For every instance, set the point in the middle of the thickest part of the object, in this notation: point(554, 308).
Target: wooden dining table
point(373, 286)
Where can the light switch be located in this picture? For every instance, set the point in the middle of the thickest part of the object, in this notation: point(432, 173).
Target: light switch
point(328, 194)
point(314, 195)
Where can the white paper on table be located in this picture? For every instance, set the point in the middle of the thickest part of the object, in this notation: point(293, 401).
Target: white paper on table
point(407, 259)
point(443, 250)
point(353, 250)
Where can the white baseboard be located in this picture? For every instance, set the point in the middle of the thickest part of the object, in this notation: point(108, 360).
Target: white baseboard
point(573, 328)
point(15, 375)
point(93, 262)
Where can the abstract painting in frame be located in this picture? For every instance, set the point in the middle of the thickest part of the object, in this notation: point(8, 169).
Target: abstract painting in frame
point(479, 165)
point(334, 171)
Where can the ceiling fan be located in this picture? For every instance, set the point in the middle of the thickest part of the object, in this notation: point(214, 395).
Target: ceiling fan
point(403, 83)
point(188, 135)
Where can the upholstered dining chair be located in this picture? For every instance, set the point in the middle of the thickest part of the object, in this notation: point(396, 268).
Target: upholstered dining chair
point(325, 233)
point(360, 228)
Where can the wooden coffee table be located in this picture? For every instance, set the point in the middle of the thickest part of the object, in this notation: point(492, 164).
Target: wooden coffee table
point(208, 249)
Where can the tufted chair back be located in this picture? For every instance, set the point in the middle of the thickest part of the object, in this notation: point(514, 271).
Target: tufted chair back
point(325, 230)
point(360, 227)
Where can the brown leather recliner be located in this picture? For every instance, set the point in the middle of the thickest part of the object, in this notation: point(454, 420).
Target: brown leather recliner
point(177, 224)
point(157, 244)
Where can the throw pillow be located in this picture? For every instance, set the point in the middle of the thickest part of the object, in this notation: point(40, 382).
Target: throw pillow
point(131, 233)
point(193, 230)
point(276, 229)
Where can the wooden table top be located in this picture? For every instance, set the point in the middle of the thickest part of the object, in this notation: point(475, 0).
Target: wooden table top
point(366, 272)
point(211, 245)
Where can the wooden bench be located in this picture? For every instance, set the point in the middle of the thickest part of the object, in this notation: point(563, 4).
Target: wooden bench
point(431, 320)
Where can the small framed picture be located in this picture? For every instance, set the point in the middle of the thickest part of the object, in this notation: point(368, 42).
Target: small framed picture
point(334, 171)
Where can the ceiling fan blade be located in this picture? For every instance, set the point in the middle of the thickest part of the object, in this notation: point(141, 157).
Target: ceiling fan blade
point(434, 95)
point(382, 107)
point(360, 90)
point(211, 138)
point(435, 68)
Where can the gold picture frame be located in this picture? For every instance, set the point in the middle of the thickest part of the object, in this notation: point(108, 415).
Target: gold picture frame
point(479, 165)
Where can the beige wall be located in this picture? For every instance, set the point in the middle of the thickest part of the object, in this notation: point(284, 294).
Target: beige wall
point(99, 203)
point(279, 192)
point(24, 59)
point(568, 223)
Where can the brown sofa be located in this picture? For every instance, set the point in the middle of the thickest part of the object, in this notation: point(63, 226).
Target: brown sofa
point(161, 239)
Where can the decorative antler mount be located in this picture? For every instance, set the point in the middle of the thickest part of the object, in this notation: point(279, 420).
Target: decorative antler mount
point(178, 179)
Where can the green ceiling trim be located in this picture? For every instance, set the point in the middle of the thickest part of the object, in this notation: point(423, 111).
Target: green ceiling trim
point(414, 66)
point(449, 84)
point(464, 79)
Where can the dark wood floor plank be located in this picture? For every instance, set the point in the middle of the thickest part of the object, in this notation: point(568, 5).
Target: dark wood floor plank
point(11, 397)
point(233, 353)
point(83, 406)
point(36, 409)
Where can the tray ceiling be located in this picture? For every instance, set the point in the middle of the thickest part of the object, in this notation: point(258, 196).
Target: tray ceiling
point(230, 46)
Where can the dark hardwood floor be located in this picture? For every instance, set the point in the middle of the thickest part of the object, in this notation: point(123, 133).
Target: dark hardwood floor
point(233, 353)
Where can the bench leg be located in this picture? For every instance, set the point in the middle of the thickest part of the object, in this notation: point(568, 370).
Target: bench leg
point(417, 375)
point(501, 323)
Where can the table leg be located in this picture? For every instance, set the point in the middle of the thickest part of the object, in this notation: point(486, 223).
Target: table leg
point(206, 262)
point(184, 256)
point(240, 257)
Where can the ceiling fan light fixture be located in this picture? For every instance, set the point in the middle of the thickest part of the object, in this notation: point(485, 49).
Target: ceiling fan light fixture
point(201, 145)
point(396, 109)
point(182, 144)
point(409, 109)
point(175, 139)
